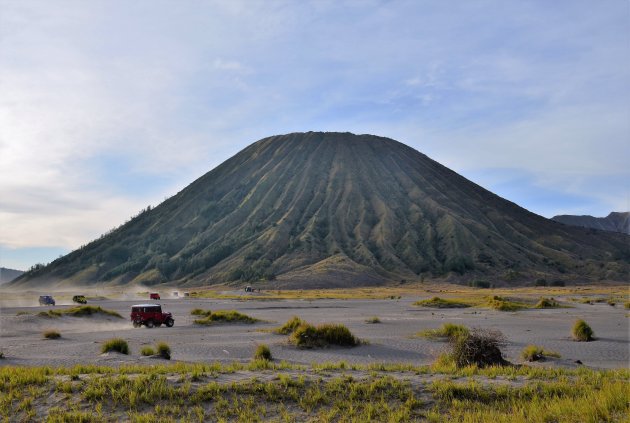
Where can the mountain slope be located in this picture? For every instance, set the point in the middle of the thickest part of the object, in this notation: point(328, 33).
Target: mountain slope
point(327, 209)
point(7, 275)
point(614, 222)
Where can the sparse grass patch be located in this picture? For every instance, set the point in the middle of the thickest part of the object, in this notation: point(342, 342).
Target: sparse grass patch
point(115, 344)
point(503, 304)
point(200, 312)
point(536, 353)
point(79, 311)
point(626, 305)
point(290, 326)
point(447, 331)
point(582, 331)
point(262, 353)
point(373, 319)
point(547, 303)
point(437, 302)
point(51, 334)
point(309, 336)
point(228, 316)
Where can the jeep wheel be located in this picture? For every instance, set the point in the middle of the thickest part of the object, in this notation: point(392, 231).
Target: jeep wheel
point(137, 324)
point(169, 323)
point(149, 323)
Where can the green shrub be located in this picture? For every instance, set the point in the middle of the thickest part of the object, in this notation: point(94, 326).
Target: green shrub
point(230, 316)
point(262, 353)
point(447, 330)
point(547, 303)
point(373, 319)
point(115, 344)
point(163, 350)
point(582, 331)
point(626, 305)
point(309, 336)
point(52, 334)
point(147, 351)
point(200, 312)
point(535, 353)
point(437, 302)
point(290, 326)
point(480, 347)
point(557, 282)
point(611, 302)
point(79, 311)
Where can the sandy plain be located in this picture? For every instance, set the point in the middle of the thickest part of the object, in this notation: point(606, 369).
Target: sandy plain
point(391, 341)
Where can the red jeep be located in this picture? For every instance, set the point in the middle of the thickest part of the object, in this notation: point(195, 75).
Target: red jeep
point(154, 296)
point(150, 315)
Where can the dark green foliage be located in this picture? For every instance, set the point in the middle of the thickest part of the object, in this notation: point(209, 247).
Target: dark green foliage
point(262, 353)
point(540, 282)
point(479, 284)
point(557, 282)
point(309, 336)
point(116, 344)
point(383, 207)
point(582, 331)
point(79, 311)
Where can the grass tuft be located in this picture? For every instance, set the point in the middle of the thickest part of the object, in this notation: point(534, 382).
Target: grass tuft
point(79, 311)
point(582, 331)
point(437, 302)
point(229, 316)
point(200, 312)
point(147, 351)
point(626, 305)
point(503, 304)
point(373, 320)
point(290, 326)
point(115, 344)
point(447, 330)
point(536, 353)
point(547, 303)
point(163, 350)
point(262, 353)
point(309, 336)
point(51, 334)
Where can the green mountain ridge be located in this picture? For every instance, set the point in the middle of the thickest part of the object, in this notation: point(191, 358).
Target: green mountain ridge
point(336, 209)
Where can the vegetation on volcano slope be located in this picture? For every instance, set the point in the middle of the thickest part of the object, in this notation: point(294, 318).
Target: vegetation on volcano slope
point(335, 207)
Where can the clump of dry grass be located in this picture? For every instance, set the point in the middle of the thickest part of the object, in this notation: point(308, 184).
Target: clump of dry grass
point(115, 344)
point(582, 331)
point(291, 325)
point(229, 316)
point(447, 330)
point(262, 353)
point(547, 303)
point(51, 334)
point(437, 302)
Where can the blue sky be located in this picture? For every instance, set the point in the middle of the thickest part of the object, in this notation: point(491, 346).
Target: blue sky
point(109, 106)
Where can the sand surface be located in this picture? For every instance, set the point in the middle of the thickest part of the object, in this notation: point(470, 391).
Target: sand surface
point(22, 342)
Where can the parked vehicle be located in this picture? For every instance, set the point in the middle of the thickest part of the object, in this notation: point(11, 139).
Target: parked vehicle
point(150, 315)
point(154, 296)
point(79, 299)
point(46, 300)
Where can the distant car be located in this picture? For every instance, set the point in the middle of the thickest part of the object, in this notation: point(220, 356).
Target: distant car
point(79, 299)
point(154, 296)
point(150, 315)
point(249, 289)
point(46, 300)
